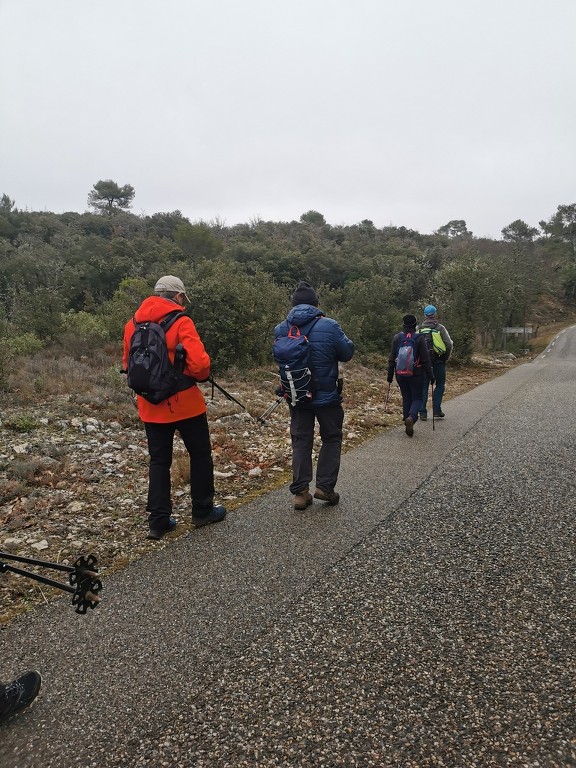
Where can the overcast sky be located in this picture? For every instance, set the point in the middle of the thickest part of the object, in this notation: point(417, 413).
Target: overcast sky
point(405, 112)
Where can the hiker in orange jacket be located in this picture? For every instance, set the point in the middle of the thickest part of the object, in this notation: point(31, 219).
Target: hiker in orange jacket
point(184, 412)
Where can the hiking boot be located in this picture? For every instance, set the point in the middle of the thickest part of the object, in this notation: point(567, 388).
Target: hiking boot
point(331, 497)
point(302, 499)
point(216, 514)
point(409, 424)
point(439, 414)
point(19, 694)
point(156, 534)
point(423, 416)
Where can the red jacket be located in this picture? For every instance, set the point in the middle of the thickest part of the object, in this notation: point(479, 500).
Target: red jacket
point(190, 402)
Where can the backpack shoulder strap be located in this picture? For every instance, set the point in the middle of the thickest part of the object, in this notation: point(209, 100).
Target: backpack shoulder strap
point(168, 321)
point(312, 324)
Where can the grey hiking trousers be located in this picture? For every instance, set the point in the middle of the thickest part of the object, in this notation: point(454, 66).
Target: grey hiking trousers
point(330, 419)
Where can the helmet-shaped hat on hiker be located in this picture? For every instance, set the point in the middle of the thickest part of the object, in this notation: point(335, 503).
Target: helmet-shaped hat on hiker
point(430, 310)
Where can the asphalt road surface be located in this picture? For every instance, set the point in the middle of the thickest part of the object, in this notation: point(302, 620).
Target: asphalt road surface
point(427, 620)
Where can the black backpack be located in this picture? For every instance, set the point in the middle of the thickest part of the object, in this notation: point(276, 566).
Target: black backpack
point(150, 372)
point(292, 354)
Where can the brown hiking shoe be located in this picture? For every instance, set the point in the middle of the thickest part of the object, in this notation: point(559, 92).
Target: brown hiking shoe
point(331, 497)
point(302, 499)
point(409, 423)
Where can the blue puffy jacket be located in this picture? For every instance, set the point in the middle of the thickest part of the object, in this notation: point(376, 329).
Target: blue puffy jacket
point(329, 346)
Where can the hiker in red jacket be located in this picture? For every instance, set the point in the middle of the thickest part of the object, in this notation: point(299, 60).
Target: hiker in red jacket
point(184, 412)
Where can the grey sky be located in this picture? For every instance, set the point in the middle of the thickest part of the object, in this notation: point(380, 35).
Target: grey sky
point(411, 112)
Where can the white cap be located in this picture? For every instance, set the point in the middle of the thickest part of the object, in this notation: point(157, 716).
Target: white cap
point(170, 283)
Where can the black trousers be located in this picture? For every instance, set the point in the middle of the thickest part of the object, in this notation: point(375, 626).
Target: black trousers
point(196, 436)
point(302, 422)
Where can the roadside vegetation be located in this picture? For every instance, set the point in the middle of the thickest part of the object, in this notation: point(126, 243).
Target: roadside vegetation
point(69, 281)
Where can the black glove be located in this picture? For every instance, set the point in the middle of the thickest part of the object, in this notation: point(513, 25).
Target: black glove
point(432, 381)
point(390, 379)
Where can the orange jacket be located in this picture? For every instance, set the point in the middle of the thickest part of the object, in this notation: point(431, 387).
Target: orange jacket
point(190, 402)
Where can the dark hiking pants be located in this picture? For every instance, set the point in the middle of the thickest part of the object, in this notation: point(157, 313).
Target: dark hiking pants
point(196, 437)
point(411, 389)
point(439, 370)
point(330, 419)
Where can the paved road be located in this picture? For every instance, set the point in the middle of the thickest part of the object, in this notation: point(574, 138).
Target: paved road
point(428, 620)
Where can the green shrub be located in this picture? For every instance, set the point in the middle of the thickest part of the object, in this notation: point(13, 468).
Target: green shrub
point(22, 424)
point(83, 325)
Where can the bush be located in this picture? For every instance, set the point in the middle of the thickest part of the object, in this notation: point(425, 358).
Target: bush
point(235, 314)
point(84, 326)
point(12, 347)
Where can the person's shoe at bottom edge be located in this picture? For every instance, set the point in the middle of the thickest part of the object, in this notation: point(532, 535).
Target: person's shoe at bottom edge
point(157, 534)
point(19, 694)
point(216, 514)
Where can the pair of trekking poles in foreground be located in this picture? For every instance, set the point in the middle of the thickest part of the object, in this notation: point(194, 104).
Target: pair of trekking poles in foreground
point(84, 586)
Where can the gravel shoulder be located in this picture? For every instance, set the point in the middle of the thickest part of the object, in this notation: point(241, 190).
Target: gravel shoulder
point(73, 467)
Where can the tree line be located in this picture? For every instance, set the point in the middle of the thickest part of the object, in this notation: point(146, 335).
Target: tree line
point(70, 281)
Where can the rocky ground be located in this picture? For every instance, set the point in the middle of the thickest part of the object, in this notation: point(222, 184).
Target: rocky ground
point(73, 461)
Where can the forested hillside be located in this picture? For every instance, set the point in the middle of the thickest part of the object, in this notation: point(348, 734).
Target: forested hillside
point(69, 281)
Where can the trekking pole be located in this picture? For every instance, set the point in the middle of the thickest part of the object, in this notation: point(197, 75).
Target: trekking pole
point(84, 584)
point(271, 408)
point(433, 425)
point(226, 394)
point(387, 398)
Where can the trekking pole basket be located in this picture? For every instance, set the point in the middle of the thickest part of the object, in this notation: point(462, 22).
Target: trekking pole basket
point(84, 582)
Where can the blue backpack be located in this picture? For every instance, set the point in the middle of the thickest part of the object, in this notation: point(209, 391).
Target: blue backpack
point(406, 357)
point(292, 353)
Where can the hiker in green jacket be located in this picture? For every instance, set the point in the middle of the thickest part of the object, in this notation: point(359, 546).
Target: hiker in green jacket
point(440, 348)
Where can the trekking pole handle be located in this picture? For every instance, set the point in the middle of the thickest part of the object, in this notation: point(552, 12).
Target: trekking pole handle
point(179, 358)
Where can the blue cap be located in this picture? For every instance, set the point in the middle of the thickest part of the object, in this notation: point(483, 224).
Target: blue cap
point(430, 309)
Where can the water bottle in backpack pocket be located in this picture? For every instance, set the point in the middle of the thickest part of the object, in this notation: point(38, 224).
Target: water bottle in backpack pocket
point(406, 357)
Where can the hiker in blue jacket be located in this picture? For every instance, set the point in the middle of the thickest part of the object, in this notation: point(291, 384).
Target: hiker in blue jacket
point(412, 386)
point(329, 345)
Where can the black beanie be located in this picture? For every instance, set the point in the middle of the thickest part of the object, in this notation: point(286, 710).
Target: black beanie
point(410, 321)
point(304, 294)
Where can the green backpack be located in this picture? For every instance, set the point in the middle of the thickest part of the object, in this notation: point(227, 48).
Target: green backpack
point(434, 340)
